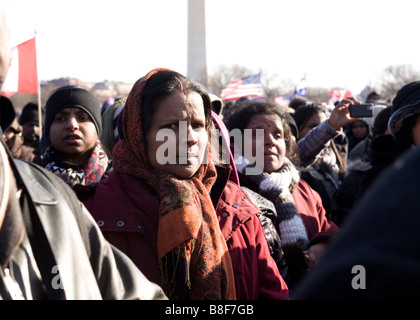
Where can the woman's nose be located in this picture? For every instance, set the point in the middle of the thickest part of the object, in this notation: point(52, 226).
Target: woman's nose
point(192, 137)
point(269, 139)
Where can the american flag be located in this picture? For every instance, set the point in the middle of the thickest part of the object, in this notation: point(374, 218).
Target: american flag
point(300, 89)
point(249, 86)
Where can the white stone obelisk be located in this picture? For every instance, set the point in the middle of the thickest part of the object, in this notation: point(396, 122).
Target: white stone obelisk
point(197, 44)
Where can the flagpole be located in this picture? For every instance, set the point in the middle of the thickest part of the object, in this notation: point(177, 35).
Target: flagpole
point(39, 94)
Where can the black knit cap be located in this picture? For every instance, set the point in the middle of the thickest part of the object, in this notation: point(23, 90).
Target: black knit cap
point(29, 113)
point(73, 96)
point(405, 104)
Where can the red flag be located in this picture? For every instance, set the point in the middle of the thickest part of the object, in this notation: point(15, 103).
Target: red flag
point(22, 75)
point(338, 95)
point(249, 86)
point(283, 101)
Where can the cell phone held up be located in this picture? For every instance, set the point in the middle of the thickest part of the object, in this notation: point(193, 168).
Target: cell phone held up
point(364, 110)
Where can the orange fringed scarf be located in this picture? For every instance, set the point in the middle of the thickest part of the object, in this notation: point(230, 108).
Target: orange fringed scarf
point(193, 255)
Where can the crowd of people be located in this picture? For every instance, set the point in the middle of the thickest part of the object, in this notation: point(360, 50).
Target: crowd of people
point(136, 200)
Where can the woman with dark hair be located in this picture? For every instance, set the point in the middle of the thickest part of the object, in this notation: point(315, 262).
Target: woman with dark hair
point(327, 172)
point(300, 214)
point(356, 132)
point(164, 218)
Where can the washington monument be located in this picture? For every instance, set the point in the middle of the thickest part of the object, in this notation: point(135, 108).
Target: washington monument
point(197, 44)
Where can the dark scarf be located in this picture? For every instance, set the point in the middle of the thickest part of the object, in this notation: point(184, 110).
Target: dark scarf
point(89, 173)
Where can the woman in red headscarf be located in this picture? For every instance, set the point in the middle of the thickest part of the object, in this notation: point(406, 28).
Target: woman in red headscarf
point(155, 205)
point(166, 206)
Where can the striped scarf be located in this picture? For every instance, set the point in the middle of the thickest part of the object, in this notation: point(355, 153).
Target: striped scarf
point(278, 188)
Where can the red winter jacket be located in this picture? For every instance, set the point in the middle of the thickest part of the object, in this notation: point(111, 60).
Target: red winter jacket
point(309, 205)
point(256, 273)
point(126, 210)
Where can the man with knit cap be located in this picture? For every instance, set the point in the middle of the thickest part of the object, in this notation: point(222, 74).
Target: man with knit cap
point(29, 120)
point(70, 145)
point(406, 112)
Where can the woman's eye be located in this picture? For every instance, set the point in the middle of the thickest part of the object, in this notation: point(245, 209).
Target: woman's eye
point(171, 126)
point(198, 126)
point(278, 136)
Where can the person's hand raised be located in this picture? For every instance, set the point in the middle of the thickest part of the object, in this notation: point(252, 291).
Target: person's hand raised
point(340, 115)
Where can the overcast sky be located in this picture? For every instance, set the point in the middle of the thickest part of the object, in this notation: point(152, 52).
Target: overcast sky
point(336, 43)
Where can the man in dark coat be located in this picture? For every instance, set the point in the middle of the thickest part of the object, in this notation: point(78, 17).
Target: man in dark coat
point(376, 254)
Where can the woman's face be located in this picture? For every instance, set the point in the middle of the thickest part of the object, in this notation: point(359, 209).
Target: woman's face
point(313, 121)
point(359, 130)
point(73, 134)
point(274, 147)
point(177, 137)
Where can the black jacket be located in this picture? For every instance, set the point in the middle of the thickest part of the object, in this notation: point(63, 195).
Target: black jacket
point(376, 254)
point(384, 150)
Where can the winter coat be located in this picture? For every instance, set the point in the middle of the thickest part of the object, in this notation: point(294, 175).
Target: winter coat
point(324, 176)
point(256, 272)
point(346, 197)
point(126, 209)
point(69, 248)
point(309, 205)
point(268, 218)
point(22, 151)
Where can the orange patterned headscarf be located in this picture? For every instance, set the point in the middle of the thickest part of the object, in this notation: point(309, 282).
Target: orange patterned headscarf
point(193, 255)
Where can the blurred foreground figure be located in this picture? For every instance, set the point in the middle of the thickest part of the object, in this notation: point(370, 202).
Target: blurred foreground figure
point(376, 254)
